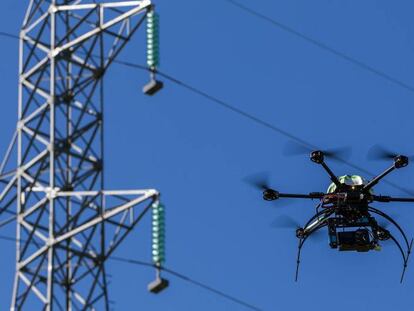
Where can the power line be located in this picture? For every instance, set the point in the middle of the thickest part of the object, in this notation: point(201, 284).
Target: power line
point(190, 280)
point(322, 46)
point(7, 221)
point(272, 127)
point(9, 35)
point(253, 118)
point(174, 273)
point(7, 238)
point(250, 117)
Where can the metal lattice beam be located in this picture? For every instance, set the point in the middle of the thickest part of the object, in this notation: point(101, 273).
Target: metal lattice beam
point(67, 225)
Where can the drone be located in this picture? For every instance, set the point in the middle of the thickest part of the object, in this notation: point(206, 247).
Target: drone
point(345, 209)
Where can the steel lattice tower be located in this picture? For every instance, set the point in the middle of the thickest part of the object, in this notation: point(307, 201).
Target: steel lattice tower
point(67, 224)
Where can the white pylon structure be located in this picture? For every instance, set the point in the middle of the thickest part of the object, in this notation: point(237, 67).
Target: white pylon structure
point(67, 224)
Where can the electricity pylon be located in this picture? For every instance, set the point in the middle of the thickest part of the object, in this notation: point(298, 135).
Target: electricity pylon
point(67, 223)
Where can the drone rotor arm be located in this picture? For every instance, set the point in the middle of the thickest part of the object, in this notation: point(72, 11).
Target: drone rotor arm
point(387, 199)
point(271, 195)
point(318, 157)
point(399, 162)
point(377, 179)
point(312, 195)
point(334, 179)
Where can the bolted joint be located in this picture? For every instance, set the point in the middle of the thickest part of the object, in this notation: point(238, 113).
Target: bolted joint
point(63, 146)
point(99, 116)
point(67, 97)
point(65, 54)
point(67, 188)
point(98, 73)
point(98, 165)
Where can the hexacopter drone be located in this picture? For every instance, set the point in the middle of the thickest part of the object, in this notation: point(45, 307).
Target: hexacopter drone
point(345, 210)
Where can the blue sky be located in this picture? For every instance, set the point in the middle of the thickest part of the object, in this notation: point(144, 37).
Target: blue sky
point(197, 153)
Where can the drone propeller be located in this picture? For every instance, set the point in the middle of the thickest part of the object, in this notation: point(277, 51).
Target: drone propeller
point(378, 153)
point(284, 222)
point(259, 181)
point(293, 148)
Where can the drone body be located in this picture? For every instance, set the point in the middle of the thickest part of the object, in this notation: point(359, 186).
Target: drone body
point(345, 209)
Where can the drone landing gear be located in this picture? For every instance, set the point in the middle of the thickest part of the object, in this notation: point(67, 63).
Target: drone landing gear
point(301, 241)
point(406, 261)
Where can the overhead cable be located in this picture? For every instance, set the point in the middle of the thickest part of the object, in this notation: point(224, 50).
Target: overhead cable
point(322, 45)
point(189, 280)
point(253, 118)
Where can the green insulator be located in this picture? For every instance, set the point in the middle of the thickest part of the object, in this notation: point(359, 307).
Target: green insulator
point(158, 223)
point(157, 243)
point(151, 44)
point(158, 230)
point(152, 39)
point(158, 218)
point(158, 233)
point(158, 259)
point(151, 47)
point(153, 30)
